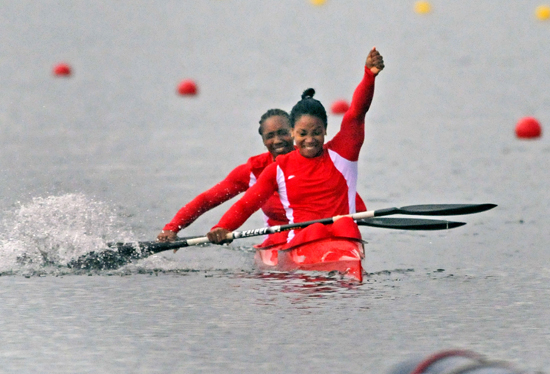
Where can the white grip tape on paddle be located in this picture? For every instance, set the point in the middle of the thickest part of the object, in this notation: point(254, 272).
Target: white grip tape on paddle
point(204, 239)
point(255, 232)
point(355, 216)
point(195, 241)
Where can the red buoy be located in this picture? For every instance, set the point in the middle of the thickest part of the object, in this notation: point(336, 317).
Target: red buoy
point(62, 69)
point(187, 87)
point(339, 107)
point(528, 128)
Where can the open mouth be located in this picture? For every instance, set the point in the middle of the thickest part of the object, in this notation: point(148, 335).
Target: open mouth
point(310, 150)
point(280, 148)
point(311, 147)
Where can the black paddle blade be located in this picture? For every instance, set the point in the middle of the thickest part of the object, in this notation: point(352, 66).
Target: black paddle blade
point(110, 259)
point(145, 249)
point(409, 223)
point(121, 254)
point(436, 209)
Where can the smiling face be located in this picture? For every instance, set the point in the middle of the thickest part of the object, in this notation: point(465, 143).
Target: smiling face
point(277, 136)
point(309, 135)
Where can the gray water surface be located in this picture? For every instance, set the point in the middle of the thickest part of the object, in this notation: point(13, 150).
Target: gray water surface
point(111, 153)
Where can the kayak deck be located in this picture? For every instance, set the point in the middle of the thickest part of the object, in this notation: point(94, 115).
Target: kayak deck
point(343, 255)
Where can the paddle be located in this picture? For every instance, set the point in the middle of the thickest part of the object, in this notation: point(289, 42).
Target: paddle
point(126, 252)
point(409, 223)
point(123, 253)
point(433, 210)
point(388, 223)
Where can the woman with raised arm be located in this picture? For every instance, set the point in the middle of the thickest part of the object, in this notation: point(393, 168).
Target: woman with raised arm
point(276, 135)
point(318, 179)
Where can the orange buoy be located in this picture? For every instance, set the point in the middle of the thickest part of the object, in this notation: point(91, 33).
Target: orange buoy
point(187, 87)
point(62, 69)
point(528, 128)
point(339, 107)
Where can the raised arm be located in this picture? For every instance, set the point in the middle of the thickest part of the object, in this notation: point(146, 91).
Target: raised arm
point(236, 182)
point(252, 200)
point(348, 141)
point(362, 97)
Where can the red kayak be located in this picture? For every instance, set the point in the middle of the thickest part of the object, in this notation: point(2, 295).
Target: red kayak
point(329, 254)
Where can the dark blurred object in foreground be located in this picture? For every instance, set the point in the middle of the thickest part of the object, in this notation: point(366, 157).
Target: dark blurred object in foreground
point(453, 362)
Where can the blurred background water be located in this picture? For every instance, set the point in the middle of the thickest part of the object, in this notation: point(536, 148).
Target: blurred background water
point(112, 152)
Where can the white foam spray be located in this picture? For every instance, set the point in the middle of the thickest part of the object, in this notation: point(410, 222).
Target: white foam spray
point(51, 231)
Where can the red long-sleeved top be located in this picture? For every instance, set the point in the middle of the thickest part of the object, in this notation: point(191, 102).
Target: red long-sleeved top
point(238, 180)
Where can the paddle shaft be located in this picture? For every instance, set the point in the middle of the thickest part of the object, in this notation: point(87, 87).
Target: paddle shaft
point(276, 229)
point(433, 210)
point(429, 210)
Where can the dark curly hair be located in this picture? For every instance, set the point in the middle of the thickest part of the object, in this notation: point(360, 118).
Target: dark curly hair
point(271, 113)
point(310, 106)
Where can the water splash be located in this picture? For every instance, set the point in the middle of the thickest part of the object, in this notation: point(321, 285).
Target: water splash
point(210, 258)
point(51, 231)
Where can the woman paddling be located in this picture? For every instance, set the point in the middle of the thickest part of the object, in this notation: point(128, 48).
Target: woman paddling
point(317, 180)
point(276, 135)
